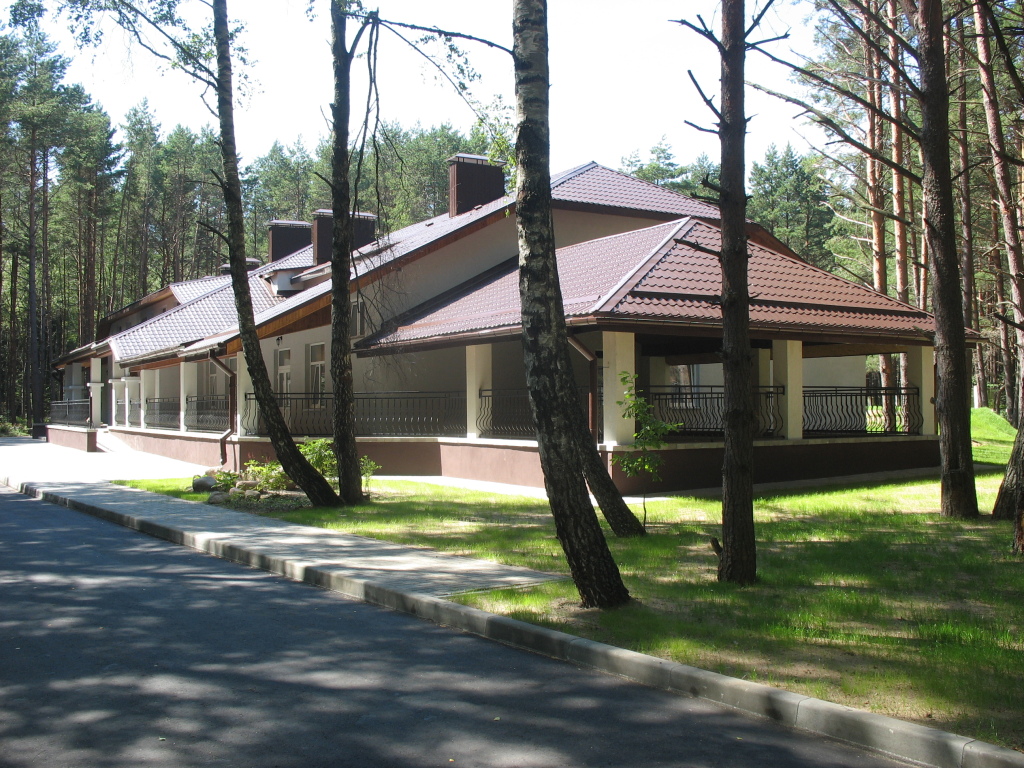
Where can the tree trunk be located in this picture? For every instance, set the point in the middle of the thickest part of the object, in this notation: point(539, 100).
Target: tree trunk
point(34, 361)
point(349, 477)
point(738, 560)
point(294, 463)
point(959, 498)
point(553, 397)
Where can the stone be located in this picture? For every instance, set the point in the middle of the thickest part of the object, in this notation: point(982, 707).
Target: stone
point(235, 491)
point(218, 497)
point(205, 483)
point(252, 494)
point(246, 485)
point(212, 472)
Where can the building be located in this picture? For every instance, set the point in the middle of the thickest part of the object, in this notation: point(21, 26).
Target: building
point(438, 362)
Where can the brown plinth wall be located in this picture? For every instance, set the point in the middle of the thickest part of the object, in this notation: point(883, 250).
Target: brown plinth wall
point(79, 438)
point(197, 449)
point(685, 468)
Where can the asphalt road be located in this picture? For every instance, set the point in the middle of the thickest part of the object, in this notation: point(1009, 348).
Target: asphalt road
point(121, 650)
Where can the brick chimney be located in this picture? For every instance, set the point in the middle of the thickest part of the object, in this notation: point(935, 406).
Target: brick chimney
point(323, 225)
point(473, 181)
point(286, 237)
point(364, 231)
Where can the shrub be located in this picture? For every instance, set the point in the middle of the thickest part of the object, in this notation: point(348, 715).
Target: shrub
point(9, 429)
point(225, 479)
point(320, 453)
point(367, 467)
point(268, 477)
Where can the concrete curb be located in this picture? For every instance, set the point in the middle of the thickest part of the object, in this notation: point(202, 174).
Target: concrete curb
point(907, 741)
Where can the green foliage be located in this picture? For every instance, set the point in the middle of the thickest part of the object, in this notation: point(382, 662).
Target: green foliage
point(268, 476)
point(367, 468)
point(9, 429)
point(320, 454)
point(225, 479)
point(787, 197)
point(649, 436)
point(992, 437)
point(662, 169)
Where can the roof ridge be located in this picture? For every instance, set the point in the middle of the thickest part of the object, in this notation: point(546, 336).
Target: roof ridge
point(572, 173)
point(679, 224)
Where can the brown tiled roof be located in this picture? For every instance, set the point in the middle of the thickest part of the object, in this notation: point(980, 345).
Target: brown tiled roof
point(590, 185)
point(208, 314)
point(648, 275)
point(593, 184)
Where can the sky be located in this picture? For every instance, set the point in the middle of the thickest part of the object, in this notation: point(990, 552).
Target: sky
point(619, 79)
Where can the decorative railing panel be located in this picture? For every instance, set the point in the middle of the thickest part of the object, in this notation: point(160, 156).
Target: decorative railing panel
point(207, 413)
point(119, 412)
point(134, 413)
point(862, 410)
point(74, 413)
point(378, 414)
point(505, 413)
point(700, 410)
point(163, 412)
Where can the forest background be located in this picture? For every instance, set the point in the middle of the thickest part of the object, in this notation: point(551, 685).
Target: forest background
point(109, 210)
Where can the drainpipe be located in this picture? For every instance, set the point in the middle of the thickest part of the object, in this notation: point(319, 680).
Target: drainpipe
point(232, 406)
point(591, 358)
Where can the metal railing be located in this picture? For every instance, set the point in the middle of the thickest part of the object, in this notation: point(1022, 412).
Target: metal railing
point(163, 412)
point(505, 413)
point(700, 410)
point(73, 413)
point(134, 413)
point(862, 411)
point(207, 413)
point(378, 414)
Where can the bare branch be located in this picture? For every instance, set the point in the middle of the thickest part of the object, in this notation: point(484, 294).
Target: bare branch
point(704, 31)
point(833, 126)
point(704, 97)
point(432, 30)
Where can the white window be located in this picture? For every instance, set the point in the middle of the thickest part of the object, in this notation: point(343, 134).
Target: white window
point(284, 371)
point(317, 377)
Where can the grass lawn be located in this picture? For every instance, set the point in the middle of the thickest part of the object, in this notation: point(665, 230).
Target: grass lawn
point(867, 597)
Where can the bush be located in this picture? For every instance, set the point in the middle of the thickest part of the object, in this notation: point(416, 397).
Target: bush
point(367, 467)
point(268, 477)
point(225, 479)
point(320, 453)
point(8, 429)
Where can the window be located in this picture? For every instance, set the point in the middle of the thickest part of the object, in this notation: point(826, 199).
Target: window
point(317, 374)
point(212, 375)
point(284, 371)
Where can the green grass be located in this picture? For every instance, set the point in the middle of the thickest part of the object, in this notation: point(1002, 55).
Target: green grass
point(992, 435)
point(179, 488)
point(867, 597)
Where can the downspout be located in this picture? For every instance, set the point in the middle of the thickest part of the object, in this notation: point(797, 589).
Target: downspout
point(232, 406)
point(591, 358)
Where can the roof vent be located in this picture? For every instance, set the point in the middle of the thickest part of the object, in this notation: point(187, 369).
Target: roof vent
point(286, 237)
point(473, 181)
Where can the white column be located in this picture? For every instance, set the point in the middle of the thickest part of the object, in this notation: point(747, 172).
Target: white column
point(619, 357)
point(243, 384)
point(764, 367)
point(921, 374)
point(660, 372)
point(788, 371)
point(146, 381)
point(96, 390)
point(479, 375)
point(189, 387)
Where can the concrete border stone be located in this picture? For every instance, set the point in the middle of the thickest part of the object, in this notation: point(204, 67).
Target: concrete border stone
point(908, 741)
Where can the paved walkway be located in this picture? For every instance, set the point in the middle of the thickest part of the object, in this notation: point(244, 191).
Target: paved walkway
point(78, 480)
point(416, 581)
